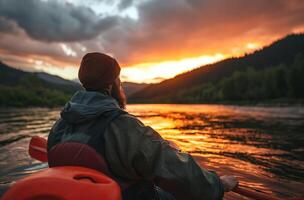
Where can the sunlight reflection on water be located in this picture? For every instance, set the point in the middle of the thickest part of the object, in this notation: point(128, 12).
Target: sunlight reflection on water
point(261, 145)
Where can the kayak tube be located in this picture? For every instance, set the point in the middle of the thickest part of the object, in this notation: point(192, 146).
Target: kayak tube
point(65, 183)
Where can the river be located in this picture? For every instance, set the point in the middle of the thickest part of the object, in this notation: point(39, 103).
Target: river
point(262, 146)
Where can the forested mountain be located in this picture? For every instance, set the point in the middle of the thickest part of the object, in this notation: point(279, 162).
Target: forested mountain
point(67, 85)
point(19, 88)
point(276, 71)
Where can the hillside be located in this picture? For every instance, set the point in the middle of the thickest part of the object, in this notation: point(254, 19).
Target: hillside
point(62, 84)
point(13, 77)
point(183, 88)
point(19, 88)
point(131, 88)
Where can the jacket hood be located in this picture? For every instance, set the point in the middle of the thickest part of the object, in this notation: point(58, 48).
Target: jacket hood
point(88, 105)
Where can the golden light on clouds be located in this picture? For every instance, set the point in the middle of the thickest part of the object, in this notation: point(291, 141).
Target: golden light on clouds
point(253, 46)
point(155, 72)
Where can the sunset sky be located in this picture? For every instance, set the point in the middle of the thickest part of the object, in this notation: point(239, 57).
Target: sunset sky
point(151, 39)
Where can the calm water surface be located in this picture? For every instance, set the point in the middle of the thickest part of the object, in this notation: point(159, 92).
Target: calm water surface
point(263, 146)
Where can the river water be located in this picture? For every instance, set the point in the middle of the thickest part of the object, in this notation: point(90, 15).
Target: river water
point(262, 146)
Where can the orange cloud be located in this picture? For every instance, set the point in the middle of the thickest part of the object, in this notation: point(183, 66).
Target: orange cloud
point(164, 32)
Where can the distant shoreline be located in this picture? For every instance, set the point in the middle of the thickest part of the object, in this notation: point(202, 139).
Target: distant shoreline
point(271, 102)
point(268, 103)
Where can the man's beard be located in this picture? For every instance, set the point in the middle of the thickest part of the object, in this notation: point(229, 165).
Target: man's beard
point(118, 93)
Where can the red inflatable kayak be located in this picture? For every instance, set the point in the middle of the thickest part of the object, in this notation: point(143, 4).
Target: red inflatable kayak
point(77, 183)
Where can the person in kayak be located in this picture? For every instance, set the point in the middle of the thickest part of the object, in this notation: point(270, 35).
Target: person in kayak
point(95, 131)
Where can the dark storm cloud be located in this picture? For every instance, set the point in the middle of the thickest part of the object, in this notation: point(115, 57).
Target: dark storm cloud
point(7, 26)
point(125, 4)
point(55, 21)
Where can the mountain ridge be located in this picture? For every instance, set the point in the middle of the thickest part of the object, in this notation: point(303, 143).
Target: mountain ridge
point(21, 88)
point(281, 51)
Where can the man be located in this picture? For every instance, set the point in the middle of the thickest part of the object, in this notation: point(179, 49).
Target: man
point(94, 131)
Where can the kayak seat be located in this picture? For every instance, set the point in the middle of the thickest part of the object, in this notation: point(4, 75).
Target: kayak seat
point(76, 154)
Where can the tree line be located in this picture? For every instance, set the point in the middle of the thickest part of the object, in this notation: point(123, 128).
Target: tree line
point(282, 82)
point(31, 91)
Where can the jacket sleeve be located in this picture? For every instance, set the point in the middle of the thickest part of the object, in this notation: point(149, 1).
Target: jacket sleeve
point(134, 151)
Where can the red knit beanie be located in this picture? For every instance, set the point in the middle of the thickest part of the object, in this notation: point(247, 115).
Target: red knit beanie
point(98, 71)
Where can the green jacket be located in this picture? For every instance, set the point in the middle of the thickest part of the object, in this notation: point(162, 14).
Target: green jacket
point(135, 152)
